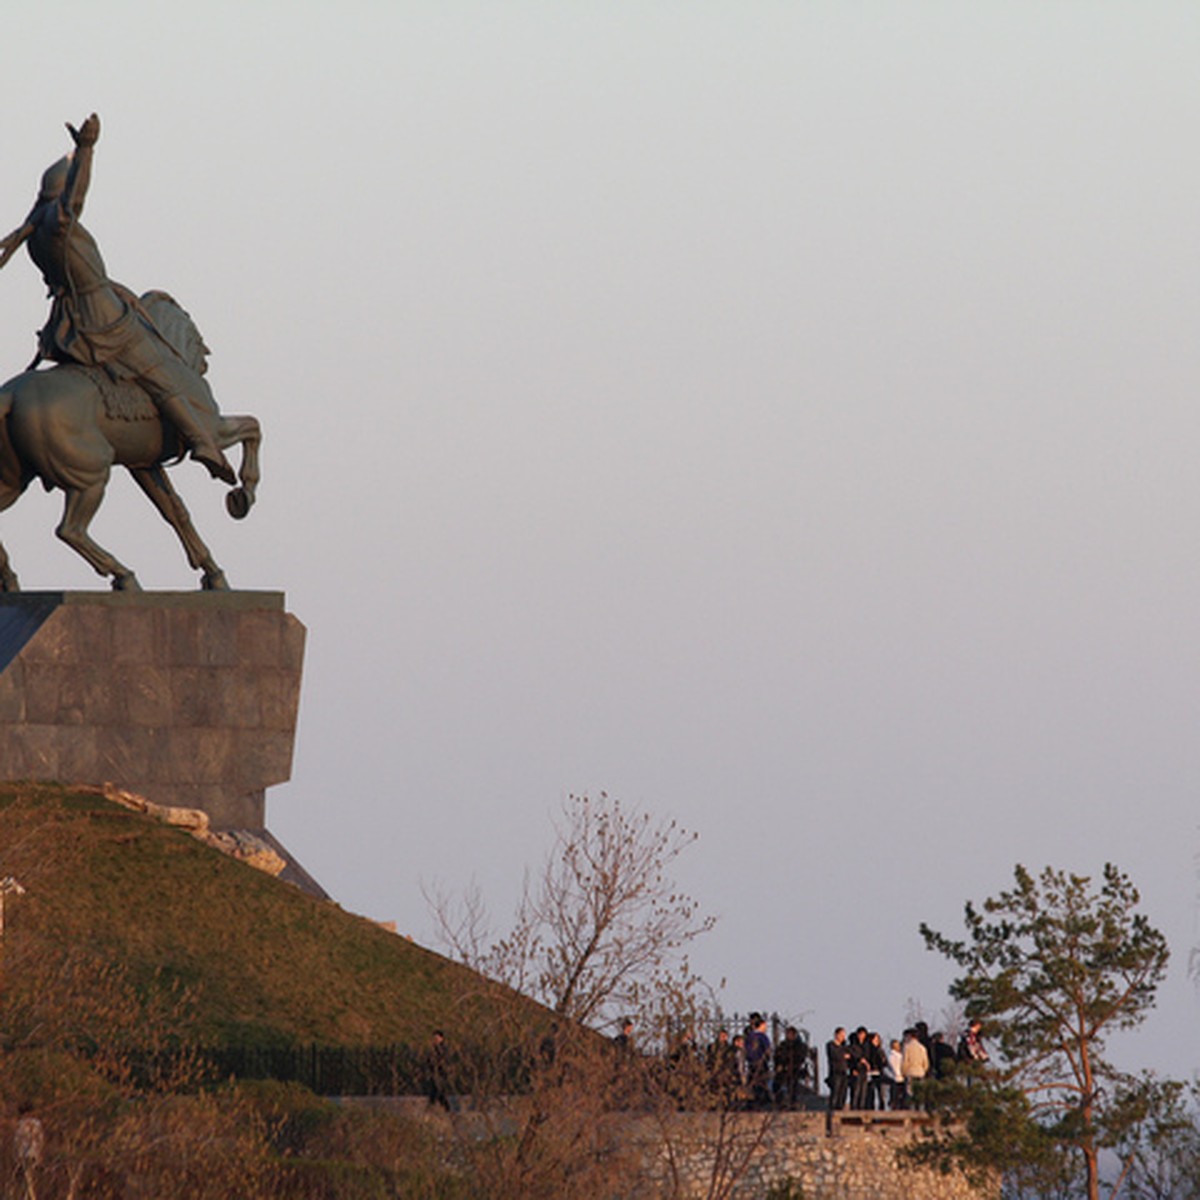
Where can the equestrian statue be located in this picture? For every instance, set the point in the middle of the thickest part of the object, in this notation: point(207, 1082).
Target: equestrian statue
point(125, 386)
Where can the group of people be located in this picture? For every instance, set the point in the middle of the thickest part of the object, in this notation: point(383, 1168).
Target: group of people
point(867, 1076)
point(862, 1072)
point(742, 1069)
point(748, 1068)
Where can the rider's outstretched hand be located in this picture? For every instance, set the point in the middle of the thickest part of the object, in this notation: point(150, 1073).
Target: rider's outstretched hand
point(88, 134)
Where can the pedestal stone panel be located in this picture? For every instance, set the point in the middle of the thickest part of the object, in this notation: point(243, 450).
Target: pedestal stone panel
point(188, 698)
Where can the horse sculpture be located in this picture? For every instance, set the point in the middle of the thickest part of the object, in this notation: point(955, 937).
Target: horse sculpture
point(68, 425)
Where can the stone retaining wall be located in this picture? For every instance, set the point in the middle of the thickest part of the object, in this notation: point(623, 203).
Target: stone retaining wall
point(740, 1156)
point(846, 1161)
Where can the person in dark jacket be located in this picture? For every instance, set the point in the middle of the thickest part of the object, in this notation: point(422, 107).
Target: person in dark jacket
point(837, 1054)
point(758, 1061)
point(791, 1068)
point(877, 1081)
point(942, 1059)
point(860, 1068)
point(437, 1072)
point(721, 1063)
point(970, 1045)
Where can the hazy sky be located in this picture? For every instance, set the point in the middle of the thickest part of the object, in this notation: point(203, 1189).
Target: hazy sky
point(783, 416)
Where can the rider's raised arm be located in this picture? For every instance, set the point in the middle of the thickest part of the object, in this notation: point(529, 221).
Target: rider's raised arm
point(11, 244)
point(80, 173)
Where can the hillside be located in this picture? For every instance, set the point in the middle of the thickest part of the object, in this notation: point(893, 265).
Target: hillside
point(116, 902)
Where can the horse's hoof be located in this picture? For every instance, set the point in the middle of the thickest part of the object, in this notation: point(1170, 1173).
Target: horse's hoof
point(126, 583)
point(215, 582)
point(238, 502)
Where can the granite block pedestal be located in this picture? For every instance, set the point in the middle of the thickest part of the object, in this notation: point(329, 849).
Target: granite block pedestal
point(187, 698)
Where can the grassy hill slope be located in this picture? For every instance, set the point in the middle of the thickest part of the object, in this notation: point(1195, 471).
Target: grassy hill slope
point(260, 962)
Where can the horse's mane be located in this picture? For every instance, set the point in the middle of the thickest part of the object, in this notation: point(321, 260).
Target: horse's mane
point(177, 328)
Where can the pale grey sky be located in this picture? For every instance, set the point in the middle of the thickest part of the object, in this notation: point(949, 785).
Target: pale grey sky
point(782, 416)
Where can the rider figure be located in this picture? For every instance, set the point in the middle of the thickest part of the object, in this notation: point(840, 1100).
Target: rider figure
point(95, 321)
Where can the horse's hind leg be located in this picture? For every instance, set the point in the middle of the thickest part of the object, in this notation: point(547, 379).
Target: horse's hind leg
point(73, 529)
point(8, 580)
point(156, 484)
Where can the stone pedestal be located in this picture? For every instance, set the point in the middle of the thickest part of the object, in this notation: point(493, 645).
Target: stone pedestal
point(188, 698)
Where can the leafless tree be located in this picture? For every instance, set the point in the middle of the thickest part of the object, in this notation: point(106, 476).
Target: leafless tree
point(598, 927)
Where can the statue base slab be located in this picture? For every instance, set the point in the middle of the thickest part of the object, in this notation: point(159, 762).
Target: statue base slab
point(187, 698)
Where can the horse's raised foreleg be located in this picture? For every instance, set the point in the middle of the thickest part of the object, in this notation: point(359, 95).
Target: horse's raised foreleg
point(157, 485)
point(246, 431)
point(78, 512)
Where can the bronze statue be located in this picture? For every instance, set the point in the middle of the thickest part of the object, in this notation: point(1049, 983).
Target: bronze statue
point(127, 386)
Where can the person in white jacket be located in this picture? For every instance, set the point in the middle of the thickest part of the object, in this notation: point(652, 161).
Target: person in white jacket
point(894, 1074)
point(914, 1066)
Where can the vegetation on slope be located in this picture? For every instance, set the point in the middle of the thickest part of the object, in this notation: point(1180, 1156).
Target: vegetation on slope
point(249, 960)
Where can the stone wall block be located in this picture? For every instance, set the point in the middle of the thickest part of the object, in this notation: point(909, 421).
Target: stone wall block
point(15, 762)
point(259, 640)
point(243, 697)
point(134, 636)
point(58, 694)
point(135, 755)
point(42, 685)
point(211, 752)
point(292, 648)
point(88, 695)
point(12, 696)
point(87, 636)
point(217, 640)
point(161, 765)
point(196, 697)
point(146, 694)
point(76, 751)
point(279, 692)
point(40, 760)
point(181, 639)
point(266, 756)
point(51, 643)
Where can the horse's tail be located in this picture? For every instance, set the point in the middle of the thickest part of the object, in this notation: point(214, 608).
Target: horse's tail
point(176, 328)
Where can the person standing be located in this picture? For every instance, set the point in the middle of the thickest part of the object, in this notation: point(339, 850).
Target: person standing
point(758, 1061)
point(894, 1072)
point(943, 1057)
point(624, 1040)
point(914, 1066)
point(722, 1065)
point(742, 1070)
point(437, 1072)
point(860, 1068)
point(29, 1143)
point(837, 1056)
point(878, 1060)
point(791, 1066)
point(970, 1045)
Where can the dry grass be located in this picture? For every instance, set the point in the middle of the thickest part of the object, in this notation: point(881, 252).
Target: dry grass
point(263, 963)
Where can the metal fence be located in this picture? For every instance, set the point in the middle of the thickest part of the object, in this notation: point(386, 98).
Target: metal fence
point(392, 1070)
point(706, 1028)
